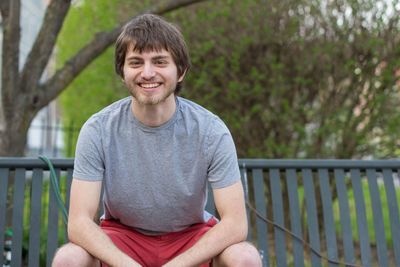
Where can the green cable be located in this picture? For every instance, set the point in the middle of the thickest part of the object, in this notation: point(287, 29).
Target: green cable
point(9, 232)
point(56, 188)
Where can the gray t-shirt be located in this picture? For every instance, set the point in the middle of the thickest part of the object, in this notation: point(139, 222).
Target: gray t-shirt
point(155, 178)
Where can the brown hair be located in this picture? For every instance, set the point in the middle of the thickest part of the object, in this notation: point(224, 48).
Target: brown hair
point(149, 32)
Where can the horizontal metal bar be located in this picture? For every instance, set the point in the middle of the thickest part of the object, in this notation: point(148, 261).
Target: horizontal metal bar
point(65, 163)
point(30, 163)
point(318, 164)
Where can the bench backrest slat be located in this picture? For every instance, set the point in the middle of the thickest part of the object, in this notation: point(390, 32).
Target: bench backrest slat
point(295, 217)
point(35, 217)
point(277, 211)
point(259, 195)
point(52, 227)
point(377, 218)
point(329, 222)
point(347, 233)
point(393, 212)
point(362, 224)
point(243, 175)
point(68, 182)
point(3, 208)
point(17, 216)
point(312, 220)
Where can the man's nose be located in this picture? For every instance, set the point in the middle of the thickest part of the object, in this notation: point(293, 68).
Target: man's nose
point(148, 71)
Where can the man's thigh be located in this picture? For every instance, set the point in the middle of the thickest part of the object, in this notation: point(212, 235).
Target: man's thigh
point(243, 254)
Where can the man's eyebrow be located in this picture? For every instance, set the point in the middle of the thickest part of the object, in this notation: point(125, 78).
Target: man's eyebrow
point(161, 57)
point(134, 58)
point(153, 58)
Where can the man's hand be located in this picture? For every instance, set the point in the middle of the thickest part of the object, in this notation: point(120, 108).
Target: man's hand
point(232, 228)
point(84, 232)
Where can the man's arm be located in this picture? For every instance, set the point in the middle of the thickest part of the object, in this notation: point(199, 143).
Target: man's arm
point(232, 228)
point(84, 232)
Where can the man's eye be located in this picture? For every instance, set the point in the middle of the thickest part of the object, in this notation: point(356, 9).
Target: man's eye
point(134, 63)
point(161, 62)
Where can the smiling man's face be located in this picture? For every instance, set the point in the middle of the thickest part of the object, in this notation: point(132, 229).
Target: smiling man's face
point(151, 76)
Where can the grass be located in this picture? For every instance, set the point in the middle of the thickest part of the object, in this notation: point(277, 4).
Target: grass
point(336, 217)
point(369, 212)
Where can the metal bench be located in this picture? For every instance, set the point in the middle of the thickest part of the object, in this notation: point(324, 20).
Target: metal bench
point(305, 211)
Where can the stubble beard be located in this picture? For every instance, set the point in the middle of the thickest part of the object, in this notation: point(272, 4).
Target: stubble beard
point(150, 100)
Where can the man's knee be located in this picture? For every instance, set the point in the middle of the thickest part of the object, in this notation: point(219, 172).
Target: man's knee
point(238, 255)
point(73, 255)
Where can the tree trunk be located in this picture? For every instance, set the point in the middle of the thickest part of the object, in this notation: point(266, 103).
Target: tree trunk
point(14, 124)
point(12, 143)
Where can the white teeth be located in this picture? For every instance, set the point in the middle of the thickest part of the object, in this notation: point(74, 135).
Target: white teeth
point(149, 85)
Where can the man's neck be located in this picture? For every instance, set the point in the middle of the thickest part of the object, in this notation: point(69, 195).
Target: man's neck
point(154, 115)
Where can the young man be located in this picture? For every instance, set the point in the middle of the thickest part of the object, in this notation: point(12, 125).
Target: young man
point(155, 152)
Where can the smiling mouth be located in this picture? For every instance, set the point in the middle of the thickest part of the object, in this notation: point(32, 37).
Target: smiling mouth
point(149, 85)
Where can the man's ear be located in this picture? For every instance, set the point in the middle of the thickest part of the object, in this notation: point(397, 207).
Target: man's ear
point(182, 76)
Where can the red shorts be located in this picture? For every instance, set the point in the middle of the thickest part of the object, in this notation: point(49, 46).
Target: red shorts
point(156, 250)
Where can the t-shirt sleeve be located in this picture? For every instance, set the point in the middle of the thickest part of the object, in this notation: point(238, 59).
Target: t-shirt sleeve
point(89, 159)
point(223, 168)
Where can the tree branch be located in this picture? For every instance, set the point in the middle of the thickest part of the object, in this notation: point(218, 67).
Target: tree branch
point(165, 7)
point(101, 41)
point(4, 7)
point(42, 48)
point(10, 57)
